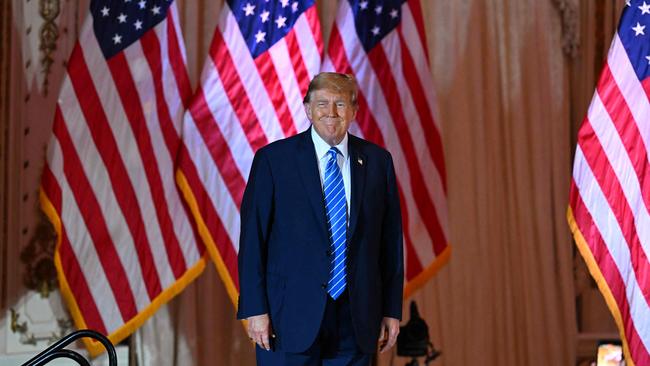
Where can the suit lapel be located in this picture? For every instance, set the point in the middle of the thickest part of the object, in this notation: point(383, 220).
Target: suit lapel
point(358, 179)
point(308, 166)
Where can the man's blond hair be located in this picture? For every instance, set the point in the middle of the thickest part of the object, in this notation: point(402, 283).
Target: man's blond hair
point(334, 81)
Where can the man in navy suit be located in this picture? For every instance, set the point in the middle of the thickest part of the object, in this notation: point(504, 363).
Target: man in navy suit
point(320, 251)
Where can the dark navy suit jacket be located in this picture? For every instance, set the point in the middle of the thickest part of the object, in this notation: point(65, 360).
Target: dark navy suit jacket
point(284, 255)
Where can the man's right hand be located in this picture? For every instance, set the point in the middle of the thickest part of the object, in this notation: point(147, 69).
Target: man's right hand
point(259, 330)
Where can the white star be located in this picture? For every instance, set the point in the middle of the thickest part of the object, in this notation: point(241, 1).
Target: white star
point(249, 9)
point(117, 39)
point(648, 58)
point(645, 8)
point(627, 3)
point(142, 4)
point(138, 24)
point(155, 10)
point(294, 6)
point(260, 36)
point(281, 21)
point(394, 13)
point(104, 11)
point(378, 9)
point(285, 3)
point(122, 18)
point(265, 16)
point(638, 29)
point(363, 5)
point(375, 30)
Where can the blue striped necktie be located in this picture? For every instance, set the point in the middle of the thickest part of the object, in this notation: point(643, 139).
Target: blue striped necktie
point(337, 212)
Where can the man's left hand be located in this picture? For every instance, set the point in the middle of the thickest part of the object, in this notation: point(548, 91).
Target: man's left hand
point(388, 333)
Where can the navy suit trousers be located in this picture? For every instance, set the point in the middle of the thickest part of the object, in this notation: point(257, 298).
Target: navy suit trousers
point(335, 344)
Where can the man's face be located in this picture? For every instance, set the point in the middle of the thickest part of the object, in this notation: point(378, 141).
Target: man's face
point(330, 112)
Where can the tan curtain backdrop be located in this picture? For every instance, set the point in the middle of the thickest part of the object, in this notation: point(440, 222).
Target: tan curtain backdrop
point(509, 103)
point(506, 297)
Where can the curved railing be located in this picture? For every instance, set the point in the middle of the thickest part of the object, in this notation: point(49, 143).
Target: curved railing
point(57, 350)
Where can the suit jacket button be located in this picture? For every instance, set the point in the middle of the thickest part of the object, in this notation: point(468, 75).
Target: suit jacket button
point(324, 285)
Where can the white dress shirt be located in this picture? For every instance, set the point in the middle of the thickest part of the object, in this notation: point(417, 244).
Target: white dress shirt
point(342, 159)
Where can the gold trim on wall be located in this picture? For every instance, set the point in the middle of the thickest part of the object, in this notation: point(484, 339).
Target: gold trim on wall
point(568, 12)
point(49, 34)
point(37, 257)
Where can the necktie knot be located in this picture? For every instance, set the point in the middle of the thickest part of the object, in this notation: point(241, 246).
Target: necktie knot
point(333, 152)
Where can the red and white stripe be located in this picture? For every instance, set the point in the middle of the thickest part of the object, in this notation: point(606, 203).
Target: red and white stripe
point(397, 111)
point(241, 105)
point(126, 238)
point(610, 196)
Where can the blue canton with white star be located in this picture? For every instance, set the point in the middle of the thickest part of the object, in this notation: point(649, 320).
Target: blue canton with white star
point(634, 32)
point(264, 22)
point(119, 23)
point(374, 19)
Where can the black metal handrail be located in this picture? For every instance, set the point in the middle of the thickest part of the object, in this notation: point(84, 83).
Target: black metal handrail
point(57, 350)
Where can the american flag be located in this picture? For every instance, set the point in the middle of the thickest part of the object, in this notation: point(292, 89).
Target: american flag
point(609, 209)
point(126, 243)
point(262, 57)
point(383, 44)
